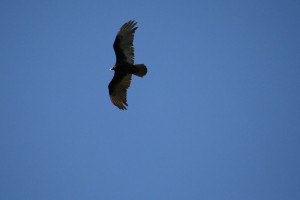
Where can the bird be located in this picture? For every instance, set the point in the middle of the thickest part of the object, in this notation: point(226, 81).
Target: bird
point(124, 67)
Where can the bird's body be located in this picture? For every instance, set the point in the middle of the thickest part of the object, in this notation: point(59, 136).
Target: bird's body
point(124, 67)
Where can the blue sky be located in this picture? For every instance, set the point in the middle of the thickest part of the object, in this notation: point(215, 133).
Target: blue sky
point(216, 117)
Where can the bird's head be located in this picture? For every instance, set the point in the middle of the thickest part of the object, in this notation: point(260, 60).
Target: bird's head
point(112, 68)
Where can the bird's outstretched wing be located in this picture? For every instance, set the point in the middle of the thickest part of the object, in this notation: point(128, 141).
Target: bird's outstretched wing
point(123, 44)
point(118, 90)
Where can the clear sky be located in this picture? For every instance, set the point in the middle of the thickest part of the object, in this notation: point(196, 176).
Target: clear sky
point(216, 117)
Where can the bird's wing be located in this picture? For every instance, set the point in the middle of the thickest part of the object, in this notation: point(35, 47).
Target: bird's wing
point(118, 90)
point(123, 44)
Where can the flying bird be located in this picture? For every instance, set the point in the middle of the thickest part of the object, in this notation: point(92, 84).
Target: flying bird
point(124, 67)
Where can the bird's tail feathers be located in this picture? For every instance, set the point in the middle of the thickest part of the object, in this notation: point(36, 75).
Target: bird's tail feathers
point(142, 70)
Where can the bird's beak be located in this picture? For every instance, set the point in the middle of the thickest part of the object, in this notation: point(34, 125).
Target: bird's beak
point(112, 68)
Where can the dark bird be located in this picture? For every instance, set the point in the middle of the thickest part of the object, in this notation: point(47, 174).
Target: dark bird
point(124, 67)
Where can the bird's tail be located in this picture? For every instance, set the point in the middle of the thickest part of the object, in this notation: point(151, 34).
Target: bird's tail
point(141, 70)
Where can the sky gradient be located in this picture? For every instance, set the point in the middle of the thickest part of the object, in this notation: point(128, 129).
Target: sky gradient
point(216, 117)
